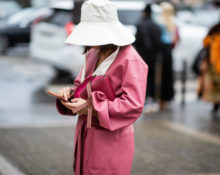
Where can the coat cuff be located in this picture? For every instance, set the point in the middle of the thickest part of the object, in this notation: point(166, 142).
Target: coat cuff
point(62, 109)
point(100, 105)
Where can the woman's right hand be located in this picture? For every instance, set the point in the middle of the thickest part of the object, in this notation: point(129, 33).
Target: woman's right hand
point(65, 93)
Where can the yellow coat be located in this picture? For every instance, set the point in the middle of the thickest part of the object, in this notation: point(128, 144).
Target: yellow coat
point(213, 42)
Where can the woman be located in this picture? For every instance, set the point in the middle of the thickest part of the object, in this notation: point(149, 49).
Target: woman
point(169, 38)
point(108, 146)
point(209, 80)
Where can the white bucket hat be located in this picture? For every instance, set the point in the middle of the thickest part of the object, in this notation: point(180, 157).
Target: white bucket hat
point(99, 25)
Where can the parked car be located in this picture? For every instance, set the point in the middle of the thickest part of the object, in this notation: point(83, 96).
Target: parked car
point(16, 28)
point(47, 42)
point(8, 7)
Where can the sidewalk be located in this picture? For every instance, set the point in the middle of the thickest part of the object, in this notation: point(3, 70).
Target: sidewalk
point(165, 145)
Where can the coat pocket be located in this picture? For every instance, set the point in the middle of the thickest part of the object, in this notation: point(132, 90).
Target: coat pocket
point(103, 151)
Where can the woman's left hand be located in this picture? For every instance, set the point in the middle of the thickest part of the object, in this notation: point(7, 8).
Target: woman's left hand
point(76, 102)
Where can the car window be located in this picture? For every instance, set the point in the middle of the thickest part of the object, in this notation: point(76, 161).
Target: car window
point(60, 17)
point(15, 18)
point(41, 12)
point(9, 6)
point(129, 17)
point(130, 13)
point(206, 17)
point(199, 17)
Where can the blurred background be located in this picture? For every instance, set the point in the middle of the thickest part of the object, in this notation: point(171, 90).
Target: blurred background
point(183, 139)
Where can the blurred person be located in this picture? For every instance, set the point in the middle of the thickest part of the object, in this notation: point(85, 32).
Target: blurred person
point(108, 146)
point(209, 79)
point(169, 38)
point(148, 45)
point(202, 54)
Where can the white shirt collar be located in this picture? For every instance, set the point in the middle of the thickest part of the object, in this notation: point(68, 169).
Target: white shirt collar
point(103, 67)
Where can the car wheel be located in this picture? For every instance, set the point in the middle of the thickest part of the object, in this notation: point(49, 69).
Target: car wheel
point(4, 44)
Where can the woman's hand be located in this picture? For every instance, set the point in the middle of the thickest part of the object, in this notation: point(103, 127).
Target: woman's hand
point(65, 93)
point(76, 102)
point(83, 111)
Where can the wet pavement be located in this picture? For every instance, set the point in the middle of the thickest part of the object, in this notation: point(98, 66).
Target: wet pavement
point(37, 140)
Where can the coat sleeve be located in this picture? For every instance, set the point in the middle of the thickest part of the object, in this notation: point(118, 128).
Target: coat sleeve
point(126, 108)
point(215, 53)
point(60, 107)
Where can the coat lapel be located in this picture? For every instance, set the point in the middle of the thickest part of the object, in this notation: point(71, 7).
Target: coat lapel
point(117, 59)
point(91, 62)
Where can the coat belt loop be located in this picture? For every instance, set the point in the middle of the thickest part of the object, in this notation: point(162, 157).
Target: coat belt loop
point(89, 102)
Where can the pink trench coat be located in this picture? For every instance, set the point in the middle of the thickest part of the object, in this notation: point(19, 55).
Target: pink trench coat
point(108, 148)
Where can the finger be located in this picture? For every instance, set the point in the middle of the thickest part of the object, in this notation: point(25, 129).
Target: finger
point(75, 100)
point(67, 105)
point(65, 94)
point(64, 103)
point(60, 93)
point(68, 92)
point(71, 105)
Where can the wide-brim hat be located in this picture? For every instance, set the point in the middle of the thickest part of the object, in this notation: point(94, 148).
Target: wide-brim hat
point(99, 25)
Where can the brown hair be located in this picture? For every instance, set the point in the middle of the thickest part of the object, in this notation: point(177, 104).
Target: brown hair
point(104, 49)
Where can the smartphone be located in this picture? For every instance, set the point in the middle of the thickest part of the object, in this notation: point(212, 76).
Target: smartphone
point(57, 96)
